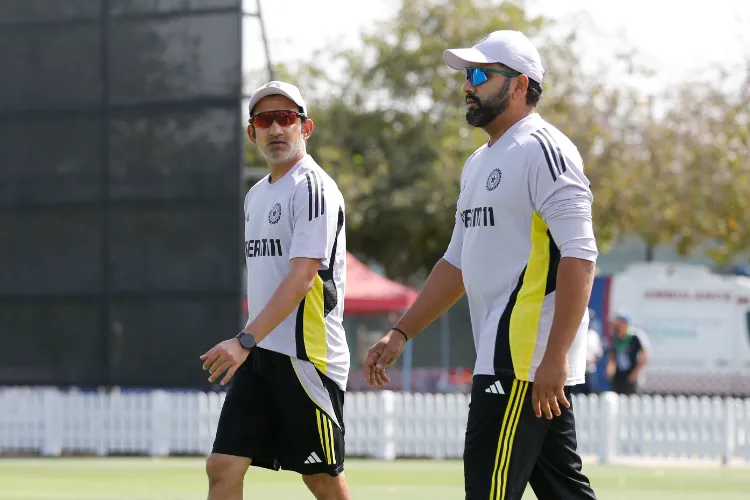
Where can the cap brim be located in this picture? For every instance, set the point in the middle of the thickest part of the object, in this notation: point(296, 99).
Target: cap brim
point(265, 92)
point(458, 59)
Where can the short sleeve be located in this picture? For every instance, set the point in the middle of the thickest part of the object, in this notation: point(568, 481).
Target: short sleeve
point(317, 218)
point(453, 253)
point(643, 342)
point(561, 193)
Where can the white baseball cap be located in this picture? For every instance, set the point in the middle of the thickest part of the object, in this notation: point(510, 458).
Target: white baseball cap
point(507, 47)
point(278, 88)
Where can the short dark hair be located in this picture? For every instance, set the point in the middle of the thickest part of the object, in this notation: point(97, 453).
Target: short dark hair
point(533, 93)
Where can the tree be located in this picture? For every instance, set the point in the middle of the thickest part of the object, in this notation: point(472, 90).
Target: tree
point(391, 130)
point(715, 124)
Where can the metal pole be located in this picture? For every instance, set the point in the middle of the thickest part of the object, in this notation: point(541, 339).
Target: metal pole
point(265, 40)
point(105, 377)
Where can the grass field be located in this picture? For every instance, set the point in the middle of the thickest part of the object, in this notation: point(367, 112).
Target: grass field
point(184, 479)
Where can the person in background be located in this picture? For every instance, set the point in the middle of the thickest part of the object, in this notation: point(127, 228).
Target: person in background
point(594, 353)
point(628, 354)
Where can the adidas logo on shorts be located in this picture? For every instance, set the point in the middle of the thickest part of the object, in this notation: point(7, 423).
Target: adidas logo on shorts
point(313, 459)
point(495, 388)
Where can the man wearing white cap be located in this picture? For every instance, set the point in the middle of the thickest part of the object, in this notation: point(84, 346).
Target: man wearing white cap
point(290, 363)
point(523, 250)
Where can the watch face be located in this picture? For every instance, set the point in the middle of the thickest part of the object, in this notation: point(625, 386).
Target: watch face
point(247, 341)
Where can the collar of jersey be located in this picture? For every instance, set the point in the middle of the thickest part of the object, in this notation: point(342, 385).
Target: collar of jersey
point(288, 174)
point(513, 129)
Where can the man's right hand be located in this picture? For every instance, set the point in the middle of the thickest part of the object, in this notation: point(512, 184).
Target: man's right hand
point(380, 356)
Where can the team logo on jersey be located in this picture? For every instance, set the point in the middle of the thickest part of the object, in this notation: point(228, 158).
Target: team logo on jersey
point(275, 214)
point(494, 179)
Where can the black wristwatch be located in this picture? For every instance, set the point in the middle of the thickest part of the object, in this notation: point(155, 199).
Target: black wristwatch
point(247, 340)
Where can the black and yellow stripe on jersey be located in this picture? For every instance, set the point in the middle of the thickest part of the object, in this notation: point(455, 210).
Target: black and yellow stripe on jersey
point(518, 327)
point(310, 330)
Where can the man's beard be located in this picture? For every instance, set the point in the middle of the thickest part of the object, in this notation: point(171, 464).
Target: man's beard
point(277, 157)
point(483, 113)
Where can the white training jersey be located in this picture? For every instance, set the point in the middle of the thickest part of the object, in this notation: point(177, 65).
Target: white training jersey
point(300, 215)
point(524, 203)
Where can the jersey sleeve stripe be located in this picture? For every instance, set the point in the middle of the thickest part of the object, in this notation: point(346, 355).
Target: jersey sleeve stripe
point(310, 197)
point(322, 196)
point(546, 155)
point(560, 159)
point(551, 146)
point(317, 194)
point(315, 191)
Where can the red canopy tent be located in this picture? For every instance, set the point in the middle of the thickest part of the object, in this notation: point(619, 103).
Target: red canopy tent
point(367, 292)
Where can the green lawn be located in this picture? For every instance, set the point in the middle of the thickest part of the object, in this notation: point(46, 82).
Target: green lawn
point(184, 479)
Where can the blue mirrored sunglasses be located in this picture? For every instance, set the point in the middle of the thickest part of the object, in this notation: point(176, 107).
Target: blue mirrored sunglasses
point(478, 76)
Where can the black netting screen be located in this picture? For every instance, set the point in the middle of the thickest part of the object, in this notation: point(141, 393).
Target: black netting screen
point(50, 66)
point(50, 160)
point(178, 329)
point(50, 252)
point(35, 11)
point(195, 257)
point(173, 57)
point(186, 152)
point(120, 196)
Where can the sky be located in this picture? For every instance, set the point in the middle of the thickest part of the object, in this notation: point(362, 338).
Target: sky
point(708, 33)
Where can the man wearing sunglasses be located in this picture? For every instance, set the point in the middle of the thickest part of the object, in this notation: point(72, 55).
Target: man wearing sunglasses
point(523, 250)
point(290, 364)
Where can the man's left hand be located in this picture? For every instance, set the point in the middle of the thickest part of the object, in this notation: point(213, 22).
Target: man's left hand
point(548, 387)
point(227, 356)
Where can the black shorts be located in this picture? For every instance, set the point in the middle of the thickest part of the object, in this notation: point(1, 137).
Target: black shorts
point(508, 447)
point(283, 413)
point(621, 385)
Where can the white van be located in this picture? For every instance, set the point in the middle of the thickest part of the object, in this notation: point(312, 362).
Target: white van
point(698, 324)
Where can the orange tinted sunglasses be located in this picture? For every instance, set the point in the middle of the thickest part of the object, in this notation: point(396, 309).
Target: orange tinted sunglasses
point(283, 118)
